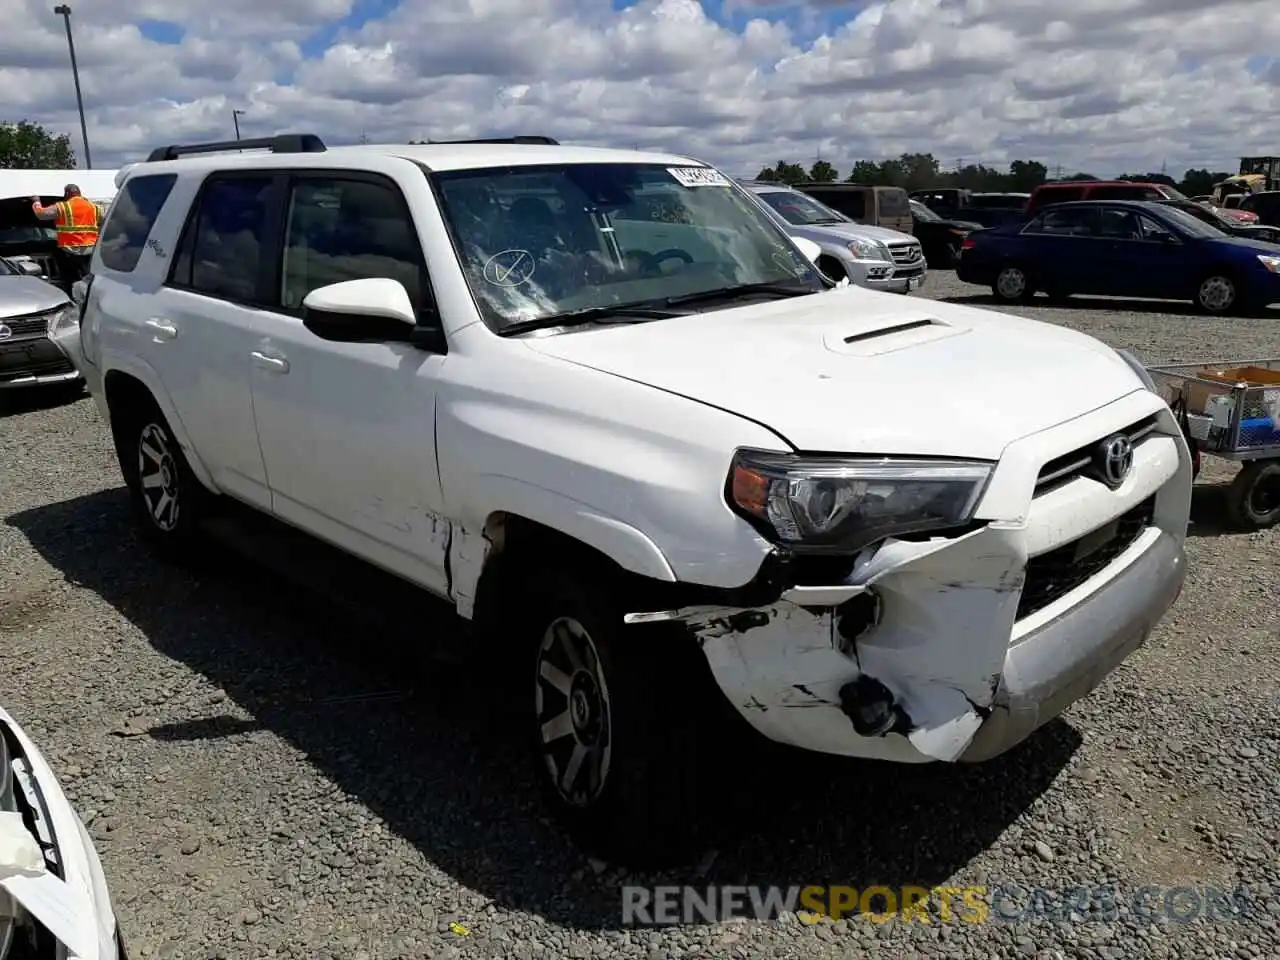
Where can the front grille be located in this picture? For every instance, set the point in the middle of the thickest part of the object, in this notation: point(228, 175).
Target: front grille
point(28, 326)
point(905, 254)
point(1079, 462)
point(1062, 569)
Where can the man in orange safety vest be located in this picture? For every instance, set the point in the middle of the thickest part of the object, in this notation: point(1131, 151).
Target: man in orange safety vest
point(77, 221)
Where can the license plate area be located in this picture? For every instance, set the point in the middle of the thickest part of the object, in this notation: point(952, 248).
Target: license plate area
point(1091, 543)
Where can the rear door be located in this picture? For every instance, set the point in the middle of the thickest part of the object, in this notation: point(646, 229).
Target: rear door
point(205, 321)
point(1063, 252)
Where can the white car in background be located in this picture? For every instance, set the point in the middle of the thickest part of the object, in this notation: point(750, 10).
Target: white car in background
point(54, 902)
point(868, 256)
point(601, 404)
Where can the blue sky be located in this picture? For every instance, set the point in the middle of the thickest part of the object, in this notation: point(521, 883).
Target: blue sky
point(1070, 85)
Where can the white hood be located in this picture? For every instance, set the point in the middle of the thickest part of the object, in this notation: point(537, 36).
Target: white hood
point(962, 382)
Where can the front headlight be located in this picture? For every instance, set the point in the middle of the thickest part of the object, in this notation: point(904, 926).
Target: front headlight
point(1271, 263)
point(826, 505)
point(1136, 366)
point(867, 250)
point(63, 319)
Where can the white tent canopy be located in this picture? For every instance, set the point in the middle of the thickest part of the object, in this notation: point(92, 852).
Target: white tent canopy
point(94, 184)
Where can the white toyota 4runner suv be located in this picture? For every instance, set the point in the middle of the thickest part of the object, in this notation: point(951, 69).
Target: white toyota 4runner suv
point(605, 407)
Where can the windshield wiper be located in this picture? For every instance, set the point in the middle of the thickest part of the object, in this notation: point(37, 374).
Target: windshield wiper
point(743, 290)
point(621, 313)
point(829, 220)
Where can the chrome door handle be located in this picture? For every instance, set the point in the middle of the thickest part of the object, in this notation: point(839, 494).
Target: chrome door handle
point(162, 329)
point(278, 364)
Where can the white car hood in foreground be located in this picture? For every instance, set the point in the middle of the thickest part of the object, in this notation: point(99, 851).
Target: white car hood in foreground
point(963, 382)
point(76, 909)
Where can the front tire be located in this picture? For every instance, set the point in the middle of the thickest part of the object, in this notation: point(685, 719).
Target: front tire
point(615, 734)
point(1218, 293)
point(168, 502)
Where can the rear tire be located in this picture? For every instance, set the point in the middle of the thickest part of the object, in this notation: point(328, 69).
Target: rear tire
point(1013, 284)
point(615, 723)
point(168, 502)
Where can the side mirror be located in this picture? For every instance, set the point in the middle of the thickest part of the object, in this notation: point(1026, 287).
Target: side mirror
point(29, 267)
point(371, 310)
point(808, 248)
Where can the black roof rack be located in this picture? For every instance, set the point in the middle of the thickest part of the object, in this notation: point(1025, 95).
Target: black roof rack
point(524, 139)
point(284, 143)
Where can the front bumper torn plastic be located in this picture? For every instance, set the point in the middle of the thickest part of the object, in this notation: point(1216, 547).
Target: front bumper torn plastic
point(943, 646)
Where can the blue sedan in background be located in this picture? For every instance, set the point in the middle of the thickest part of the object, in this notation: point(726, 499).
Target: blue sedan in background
point(1122, 249)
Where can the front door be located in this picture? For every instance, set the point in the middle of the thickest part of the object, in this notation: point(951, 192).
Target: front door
point(1146, 259)
point(348, 429)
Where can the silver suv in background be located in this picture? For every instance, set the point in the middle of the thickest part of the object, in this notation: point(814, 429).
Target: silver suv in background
point(868, 256)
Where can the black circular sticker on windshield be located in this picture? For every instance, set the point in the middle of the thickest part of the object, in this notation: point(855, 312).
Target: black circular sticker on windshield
point(509, 268)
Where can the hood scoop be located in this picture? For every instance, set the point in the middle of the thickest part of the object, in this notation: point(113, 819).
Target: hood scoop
point(888, 335)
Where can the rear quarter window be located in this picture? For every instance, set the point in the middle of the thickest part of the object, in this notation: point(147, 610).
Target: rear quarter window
point(893, 203)
point(133, 214)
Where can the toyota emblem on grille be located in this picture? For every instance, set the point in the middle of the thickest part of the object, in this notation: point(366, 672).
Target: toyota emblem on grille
point(1115, 459)
point(5, 331)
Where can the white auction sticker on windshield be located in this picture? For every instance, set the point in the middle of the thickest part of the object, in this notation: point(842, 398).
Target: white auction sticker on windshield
point(698, 176)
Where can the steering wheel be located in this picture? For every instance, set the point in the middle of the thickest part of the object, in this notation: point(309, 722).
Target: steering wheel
point(649, 261)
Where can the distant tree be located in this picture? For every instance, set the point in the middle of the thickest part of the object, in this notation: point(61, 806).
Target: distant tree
point(1081, 176)
point(789, 173)
point(823, 172)
point(915, 171)
point(864, 171)
point(29, 146)
point(767, 174)
point(1198, 181)
point(976, 176)
point(1026, 175)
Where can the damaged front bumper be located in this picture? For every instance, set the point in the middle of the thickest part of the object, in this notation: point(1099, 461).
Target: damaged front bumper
point(958, 648)
point(53, 894)
point(954, 679)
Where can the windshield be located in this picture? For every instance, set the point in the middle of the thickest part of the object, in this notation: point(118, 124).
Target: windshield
point(7, 269)
point(801, 209)
point(923, 212)
point(538, 242)
point(1191, 225)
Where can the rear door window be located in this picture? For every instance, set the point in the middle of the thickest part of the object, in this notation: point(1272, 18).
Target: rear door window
point(1076, 222)
point(893, 203)
point(222, 253)
point(133, 214)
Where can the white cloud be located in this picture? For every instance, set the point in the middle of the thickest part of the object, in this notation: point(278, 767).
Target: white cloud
point(1102, 85)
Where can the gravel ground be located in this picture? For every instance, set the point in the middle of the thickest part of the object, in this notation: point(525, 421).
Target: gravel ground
point(259, 785)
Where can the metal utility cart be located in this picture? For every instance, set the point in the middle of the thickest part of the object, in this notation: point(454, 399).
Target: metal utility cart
point(1231, 409)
